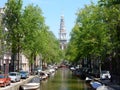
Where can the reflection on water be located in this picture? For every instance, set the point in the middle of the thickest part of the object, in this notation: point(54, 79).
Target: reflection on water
point(63, 80)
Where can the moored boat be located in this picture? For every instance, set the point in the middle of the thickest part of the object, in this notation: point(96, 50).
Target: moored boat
point(103, 87)
point(30, 86)
point(88, 79)
point(43, 75)
point(33, 84)
point(95, 84)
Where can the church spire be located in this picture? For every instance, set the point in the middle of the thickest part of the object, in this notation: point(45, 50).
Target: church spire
point(62, 25)
point(62, 34)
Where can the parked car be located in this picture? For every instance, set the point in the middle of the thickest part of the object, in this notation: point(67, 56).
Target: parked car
point(15, 76)
point(105, 75)
point(24, 74)
point(4, 80)
point(37, 70)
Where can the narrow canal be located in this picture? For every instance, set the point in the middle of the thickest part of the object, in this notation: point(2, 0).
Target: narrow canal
point(63, 80)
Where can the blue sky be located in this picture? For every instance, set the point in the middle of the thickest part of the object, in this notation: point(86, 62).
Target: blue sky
point(53, 9)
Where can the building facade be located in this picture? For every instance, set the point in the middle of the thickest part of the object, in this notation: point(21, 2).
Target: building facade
point(62, 34)
point(5, 55)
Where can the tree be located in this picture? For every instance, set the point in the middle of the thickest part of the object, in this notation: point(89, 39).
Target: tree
point(38, 40)
point(112, 10)
point(72, 50)
point(108, 2)
point(28, 33)
point(1, 34)
point(50, 47)
point(90, 35)
point(12, 22)
point(32, 24)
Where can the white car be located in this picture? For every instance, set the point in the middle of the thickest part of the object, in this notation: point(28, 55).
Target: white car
point(15, 76)
point(105, 75)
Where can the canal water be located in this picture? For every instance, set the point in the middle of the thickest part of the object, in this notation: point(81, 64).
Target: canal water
point(63, 80)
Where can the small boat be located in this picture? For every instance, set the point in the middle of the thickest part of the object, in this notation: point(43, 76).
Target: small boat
point(35, 80)
point(30, 86)
point(43, 75)
point(95, 84)
point(103, 87)
point(33, 84)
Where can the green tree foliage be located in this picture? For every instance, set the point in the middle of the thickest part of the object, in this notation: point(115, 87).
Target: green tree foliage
point(12, 23)
point(0, 34)
point(98, 34)
point(112, 15)
point(38, 39)
point(28, 33)
point(32, 23)
point(0, 26)
point(89, 36)
point(72, 49)
point(108, 2)
point(50, 47)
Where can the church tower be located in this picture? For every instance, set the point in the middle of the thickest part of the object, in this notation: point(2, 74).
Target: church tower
point(62, 34)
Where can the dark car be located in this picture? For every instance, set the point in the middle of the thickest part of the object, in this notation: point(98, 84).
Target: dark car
point(5, 80)
point(37, 70)
point(24, 74)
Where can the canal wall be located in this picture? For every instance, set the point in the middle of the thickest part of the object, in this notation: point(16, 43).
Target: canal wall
point(16, 86)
